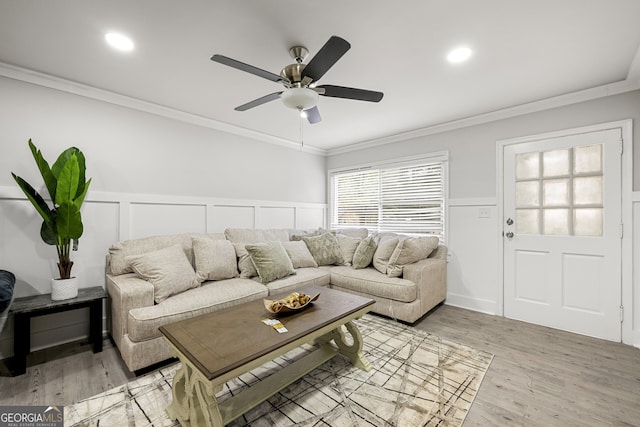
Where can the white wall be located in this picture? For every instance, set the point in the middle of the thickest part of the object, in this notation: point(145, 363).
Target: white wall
point(136, 152)
point(151, 175)
point(472, 268)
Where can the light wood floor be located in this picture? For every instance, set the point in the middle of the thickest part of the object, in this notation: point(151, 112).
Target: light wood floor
point(538, 377)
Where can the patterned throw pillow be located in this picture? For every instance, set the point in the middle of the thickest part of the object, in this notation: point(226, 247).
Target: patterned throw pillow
point(324, 248)
point(168, 270)
point(364, 253)
point(271, 260)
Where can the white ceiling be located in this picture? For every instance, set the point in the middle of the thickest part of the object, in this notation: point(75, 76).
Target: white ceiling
point(524, 51)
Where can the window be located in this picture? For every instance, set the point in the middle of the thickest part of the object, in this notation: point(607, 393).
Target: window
point(560, 192)
point(400, 197)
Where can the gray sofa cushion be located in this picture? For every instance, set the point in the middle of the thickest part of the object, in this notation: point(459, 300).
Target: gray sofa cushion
point(214, 259)
point(117, 263)
point(270, 260)
point(168, 270)
point(245, 265)
point(248, 235)
point(360, 233)
point(408, 251)
point(383, 253)
point(348, 246)
point(143, 322)
point(299, 254)
point(370, 281)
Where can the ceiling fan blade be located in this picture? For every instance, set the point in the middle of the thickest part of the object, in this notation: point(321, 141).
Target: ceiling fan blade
point(259, 101)
point(350, 93)
point(221, 59)
point(313, 115)
point(326, 57)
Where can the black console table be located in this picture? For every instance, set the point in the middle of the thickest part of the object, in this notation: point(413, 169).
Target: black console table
point(25, 308)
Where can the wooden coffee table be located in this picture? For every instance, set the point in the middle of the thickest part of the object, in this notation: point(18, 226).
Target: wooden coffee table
point(217, 347)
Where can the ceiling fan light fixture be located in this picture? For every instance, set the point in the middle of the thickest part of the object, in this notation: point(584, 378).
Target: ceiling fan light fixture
point(299, 98)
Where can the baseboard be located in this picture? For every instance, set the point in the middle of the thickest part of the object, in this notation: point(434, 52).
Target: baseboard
point(472, 303)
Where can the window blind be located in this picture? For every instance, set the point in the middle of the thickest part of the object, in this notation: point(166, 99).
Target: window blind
point(406, 199)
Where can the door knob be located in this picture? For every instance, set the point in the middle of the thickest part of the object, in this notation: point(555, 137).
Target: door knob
point(509, 234)
point(509, 221)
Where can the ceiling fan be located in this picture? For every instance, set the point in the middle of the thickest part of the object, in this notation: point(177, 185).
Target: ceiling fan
point(299, 79)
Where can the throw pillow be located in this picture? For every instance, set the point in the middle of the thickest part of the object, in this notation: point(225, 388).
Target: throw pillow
point(246, 267)
point(214, 259)
point(299, 254)
point(271, 260)
point(408, 251)
point(168, 270)
point(364, 253)
point(324, 248)
point(383, 253)
point(348, 246)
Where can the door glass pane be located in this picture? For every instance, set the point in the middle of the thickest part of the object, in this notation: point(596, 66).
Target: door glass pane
point(560, 192)
point(587, 191)
point(556, 221)
point(555, 163)
point(555, 192)
point(587, 159)
point(527, 165)
point(527, 221)
point(587, 222)
point(527, 194)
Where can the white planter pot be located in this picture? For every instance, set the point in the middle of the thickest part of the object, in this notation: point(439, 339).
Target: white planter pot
point(64, 288)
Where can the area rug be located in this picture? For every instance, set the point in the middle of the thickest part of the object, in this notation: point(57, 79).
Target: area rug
point(417, 379)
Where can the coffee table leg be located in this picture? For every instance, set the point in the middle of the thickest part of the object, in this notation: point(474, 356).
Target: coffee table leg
point(353, 351)
point(194, 402)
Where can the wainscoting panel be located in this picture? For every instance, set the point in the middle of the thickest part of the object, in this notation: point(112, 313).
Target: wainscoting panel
point(307, 218)
point(154, 219)
point(276, 217)
point(109, 218)
point(228, 216)
point(472, 273)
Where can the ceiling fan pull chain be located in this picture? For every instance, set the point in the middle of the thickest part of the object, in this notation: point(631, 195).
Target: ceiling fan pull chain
point(301, 131)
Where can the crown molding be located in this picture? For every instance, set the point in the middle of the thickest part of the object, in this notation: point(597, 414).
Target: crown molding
point(634, 68)
point(41, 79)
point(519, 110)
point(69, 86)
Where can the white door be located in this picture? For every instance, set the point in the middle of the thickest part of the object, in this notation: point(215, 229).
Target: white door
point(562, 232)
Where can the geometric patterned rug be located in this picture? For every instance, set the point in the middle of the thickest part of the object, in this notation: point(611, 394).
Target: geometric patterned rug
point(417, 379)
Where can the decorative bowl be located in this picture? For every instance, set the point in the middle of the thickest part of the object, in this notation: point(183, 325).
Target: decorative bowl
point(295, 301)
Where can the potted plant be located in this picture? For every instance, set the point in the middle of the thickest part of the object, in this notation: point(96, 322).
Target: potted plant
point(62, 223)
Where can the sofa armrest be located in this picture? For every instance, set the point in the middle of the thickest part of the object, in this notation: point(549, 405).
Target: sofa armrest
point(430, 277)
point(126, 291)
point(439, 253)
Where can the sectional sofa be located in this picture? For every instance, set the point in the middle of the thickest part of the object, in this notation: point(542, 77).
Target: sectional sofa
point(159, 280)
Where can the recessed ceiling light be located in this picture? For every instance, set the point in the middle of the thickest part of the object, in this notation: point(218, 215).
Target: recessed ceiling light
point(119, 41)
point(459, 54)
